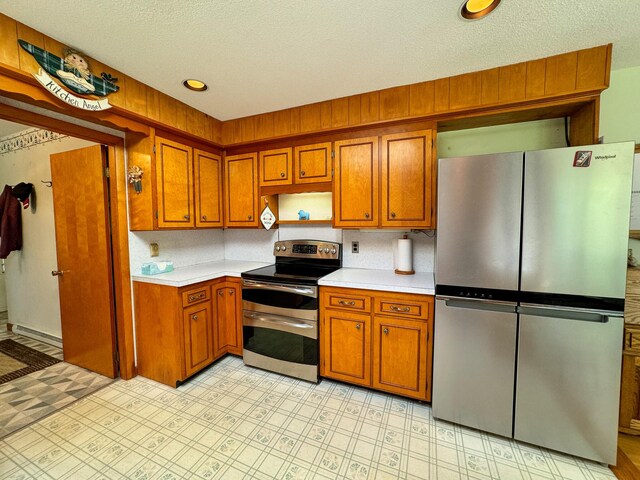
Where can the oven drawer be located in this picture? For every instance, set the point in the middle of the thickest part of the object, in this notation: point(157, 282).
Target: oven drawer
point(403, 305)
point(195, 295)
point(342, 301)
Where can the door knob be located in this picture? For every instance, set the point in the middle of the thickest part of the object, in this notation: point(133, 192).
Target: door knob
point(57, 273)
point(186, 217)
point(282, 174)
point(250, 217)
point(393, 214)
point(357, 326)
point(220, 292)
point(204, 217)
point(366, 215)
point(194, 317)
point(386, 331)
point(302, 173)
point(230, 291)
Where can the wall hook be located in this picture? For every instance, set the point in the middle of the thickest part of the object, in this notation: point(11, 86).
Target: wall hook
point(47, 183)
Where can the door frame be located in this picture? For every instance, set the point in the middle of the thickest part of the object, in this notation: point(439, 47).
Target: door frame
point(117, 207)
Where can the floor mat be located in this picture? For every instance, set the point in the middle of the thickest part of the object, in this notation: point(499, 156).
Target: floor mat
point(17, 360)
point(34, 396)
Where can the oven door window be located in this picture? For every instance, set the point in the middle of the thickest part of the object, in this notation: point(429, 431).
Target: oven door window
point(275, 337)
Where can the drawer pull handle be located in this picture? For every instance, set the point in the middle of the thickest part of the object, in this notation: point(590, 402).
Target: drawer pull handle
point(194, 317)
point(395, 308)
point(386, 331)
point(357, 326)
point(198, 296)
point(347, 304)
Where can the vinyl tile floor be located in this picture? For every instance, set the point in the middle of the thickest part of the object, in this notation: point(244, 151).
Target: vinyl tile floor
point(38, 394)
point(236, 422)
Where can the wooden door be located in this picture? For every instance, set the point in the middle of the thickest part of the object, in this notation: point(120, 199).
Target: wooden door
point(85, 279)
point(346, 346)
point(241, 190)
point(174, 184)
point(219, 291)
point(312, 163)
point(355, 186)
point(208, 189)
point(198, 332)
point(276, 167)
point(400, 356)
point(407, 180)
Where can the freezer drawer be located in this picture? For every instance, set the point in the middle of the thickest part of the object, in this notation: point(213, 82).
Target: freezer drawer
point(474, 363)
point(568, 385)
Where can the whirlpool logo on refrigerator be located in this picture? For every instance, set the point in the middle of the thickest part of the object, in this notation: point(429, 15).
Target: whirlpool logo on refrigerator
point(582, 158)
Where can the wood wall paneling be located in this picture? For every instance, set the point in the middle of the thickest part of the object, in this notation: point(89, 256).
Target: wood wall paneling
point(465, 91)
point(117, 99)
point(310, 118)
point(28, 64)
point(441, 95)
point(153, 104)
point(370, 107)
point(560, 76)
point(513, 83)
point(168, 109)
point(421, 98)
point(141, 205)
point(181, 116)
point(394, 103)
point(135, 96)
point(340, 112)
point(295, 120)
point(281, 123)
point(355, 116)
point(264, 126)
point(583, 125)
point(325, 115)
point(592, 68)
point(9, 54)
point(196, 122)
point(536, 77)
point(490, 86)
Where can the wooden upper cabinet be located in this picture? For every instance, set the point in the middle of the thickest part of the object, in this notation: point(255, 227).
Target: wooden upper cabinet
point(355, 187)
point(276, 167)
point(407, 180)
point(208, 189)
point(312, 163)
point(174, 184)
point(241, 190)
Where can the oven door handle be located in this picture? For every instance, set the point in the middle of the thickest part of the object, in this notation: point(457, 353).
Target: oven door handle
point(291, 325)
point(310, 291)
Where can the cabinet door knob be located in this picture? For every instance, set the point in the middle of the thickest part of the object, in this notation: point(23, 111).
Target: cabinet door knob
point(282, 174)
point(186, 217)
point(220, 292)
point(57, 273)
point(204, 217)
point(366, 215)
point(250, 217)
point(302, 173)
point(386, 331)
point(393, 214)
point(230, 291)
point(194, 317)
point(357, 326)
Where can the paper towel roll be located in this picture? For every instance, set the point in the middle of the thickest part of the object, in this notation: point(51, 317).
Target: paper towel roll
point(404, 258)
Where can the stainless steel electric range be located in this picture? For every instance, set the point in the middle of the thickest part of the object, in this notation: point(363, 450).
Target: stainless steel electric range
point(280, 308)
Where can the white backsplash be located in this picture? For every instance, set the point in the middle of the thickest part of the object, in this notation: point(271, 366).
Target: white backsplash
point(183, 247)
point(250, 245)
point(376, 250)
point(190, 247)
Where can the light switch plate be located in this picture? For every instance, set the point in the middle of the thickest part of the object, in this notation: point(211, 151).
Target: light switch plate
point(155, 249)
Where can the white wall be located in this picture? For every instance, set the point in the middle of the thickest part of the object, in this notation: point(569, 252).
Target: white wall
point(32, 293)
point(3, 294)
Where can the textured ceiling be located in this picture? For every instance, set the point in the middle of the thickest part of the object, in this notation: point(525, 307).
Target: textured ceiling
point(264, 55)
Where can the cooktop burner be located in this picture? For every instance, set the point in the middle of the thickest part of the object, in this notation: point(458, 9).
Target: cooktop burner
point(300, 262)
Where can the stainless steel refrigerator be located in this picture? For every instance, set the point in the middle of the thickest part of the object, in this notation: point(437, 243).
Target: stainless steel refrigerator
point(530, 282)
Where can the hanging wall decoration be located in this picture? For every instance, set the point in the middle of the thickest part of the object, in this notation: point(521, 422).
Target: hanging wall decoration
point(73, 73)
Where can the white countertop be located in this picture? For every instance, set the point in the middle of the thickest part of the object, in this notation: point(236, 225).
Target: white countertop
point(183, 276)
point(385, 280)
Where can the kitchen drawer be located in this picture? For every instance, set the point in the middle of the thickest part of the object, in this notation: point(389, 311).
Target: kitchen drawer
point(410, 306)
point(348, 301)
point(196, 295)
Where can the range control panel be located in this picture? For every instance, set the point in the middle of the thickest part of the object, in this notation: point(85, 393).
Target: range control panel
point(307, 249)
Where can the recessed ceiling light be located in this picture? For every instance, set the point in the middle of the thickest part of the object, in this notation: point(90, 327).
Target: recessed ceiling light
point(195, 85)
point(476, 9)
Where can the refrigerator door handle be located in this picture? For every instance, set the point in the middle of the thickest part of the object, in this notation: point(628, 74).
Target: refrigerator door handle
point(480, 305)
point(567, 313)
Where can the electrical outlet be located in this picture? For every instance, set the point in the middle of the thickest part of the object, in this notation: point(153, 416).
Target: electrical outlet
point(355, 247)
point(155, 249)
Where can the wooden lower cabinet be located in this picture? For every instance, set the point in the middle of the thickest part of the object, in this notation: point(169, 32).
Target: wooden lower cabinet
point(378, 339)
point(181, 330)
point(346, 345)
